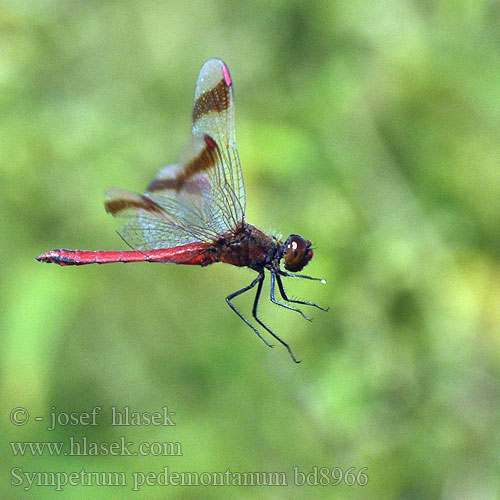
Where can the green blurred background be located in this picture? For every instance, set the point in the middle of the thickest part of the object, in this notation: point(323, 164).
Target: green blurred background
point(371, 128)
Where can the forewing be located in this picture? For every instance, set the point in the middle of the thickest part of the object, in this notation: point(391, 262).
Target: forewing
point(180, 205)
point(201, 197)
point(213, 115)
point(188, 190)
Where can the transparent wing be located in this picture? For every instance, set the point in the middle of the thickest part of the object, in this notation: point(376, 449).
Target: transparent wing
point(202, 196)
point(150, 226)
point(213, 115)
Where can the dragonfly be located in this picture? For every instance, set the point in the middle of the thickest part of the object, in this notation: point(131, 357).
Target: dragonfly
point(193, 212)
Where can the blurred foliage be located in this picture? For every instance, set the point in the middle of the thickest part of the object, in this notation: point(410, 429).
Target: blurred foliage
point(371, 128)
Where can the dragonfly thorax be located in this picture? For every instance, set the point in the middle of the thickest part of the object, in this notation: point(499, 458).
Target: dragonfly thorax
point(248, 246)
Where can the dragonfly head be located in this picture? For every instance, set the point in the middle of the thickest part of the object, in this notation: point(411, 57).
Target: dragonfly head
point(298, 253)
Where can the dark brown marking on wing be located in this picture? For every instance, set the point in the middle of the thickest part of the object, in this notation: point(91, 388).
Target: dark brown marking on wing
point(163, 184)
point(215, 99)
point(205, 160)
point(141, 203)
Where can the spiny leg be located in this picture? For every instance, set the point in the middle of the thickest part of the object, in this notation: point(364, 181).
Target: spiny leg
point(285, 297)
point(259, 279)
point(290, 275)
point(278, 303)
point(261, 323)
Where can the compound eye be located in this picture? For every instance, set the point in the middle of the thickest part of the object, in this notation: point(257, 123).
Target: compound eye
point(297, 253)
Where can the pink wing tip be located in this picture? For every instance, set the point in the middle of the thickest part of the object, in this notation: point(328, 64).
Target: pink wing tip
point(210, 142)
point(227, 76)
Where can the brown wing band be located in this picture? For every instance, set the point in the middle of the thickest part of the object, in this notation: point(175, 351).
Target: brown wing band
point(115, 206)
point(215, 99)
point(205, 160)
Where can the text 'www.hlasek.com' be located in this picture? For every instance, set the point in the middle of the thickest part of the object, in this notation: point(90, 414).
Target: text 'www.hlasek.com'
point(121, 420)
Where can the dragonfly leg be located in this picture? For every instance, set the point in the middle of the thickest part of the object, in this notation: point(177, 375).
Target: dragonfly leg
point(285, 297)
point(290, 275)
point(229, 298)
point(278, 303)
point(261, 323)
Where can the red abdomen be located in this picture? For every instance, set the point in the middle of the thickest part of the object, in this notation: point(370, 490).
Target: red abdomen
point(198, 254)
